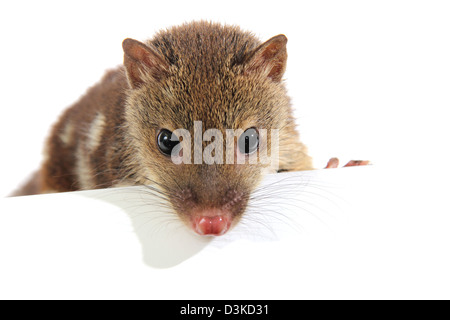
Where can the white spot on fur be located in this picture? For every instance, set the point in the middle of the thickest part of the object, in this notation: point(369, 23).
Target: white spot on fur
point(83, 169)
point(67, 134)
point(46, 152)
point(95, 132)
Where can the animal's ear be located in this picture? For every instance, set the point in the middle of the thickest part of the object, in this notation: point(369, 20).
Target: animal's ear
point(269, 58)
point(140, 60)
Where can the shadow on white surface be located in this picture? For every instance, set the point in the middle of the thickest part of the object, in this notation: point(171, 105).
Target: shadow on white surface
point(165, 240)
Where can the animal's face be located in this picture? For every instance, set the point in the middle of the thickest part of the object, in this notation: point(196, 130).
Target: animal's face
point(204, 138)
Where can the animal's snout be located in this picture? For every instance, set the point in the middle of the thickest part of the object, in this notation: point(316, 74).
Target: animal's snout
point(210, 213)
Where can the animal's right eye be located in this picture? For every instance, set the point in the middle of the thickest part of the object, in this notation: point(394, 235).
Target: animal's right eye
point(167, 141)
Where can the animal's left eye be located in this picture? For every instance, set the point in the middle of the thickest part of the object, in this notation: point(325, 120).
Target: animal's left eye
point(249, 141)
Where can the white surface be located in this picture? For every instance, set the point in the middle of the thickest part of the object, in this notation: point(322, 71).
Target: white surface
point(324, 234)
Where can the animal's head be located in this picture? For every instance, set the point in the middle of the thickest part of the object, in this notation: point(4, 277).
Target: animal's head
point(218, 90)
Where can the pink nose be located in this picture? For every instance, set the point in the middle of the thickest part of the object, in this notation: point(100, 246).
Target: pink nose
point(215, 226)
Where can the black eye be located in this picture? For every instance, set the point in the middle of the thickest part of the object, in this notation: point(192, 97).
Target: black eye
point(249, 141)
point(167, 141)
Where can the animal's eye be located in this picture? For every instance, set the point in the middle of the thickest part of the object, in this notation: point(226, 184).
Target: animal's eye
point(167, 141)
point(249, 141)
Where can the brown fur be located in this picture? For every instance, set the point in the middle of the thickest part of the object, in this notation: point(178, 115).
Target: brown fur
point(199, 71)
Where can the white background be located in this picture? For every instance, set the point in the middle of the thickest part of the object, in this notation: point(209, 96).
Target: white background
point(368, 79)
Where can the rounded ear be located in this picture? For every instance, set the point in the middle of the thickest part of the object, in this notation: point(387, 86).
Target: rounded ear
point(140, 60)
point(269, 58)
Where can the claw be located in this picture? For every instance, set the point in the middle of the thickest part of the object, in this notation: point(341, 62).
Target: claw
point(334, 163)
point(353, 163)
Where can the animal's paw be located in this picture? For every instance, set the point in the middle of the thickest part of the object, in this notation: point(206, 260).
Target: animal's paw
point(334, 163)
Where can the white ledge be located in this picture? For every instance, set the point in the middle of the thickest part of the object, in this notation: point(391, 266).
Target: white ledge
point(326, 234)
